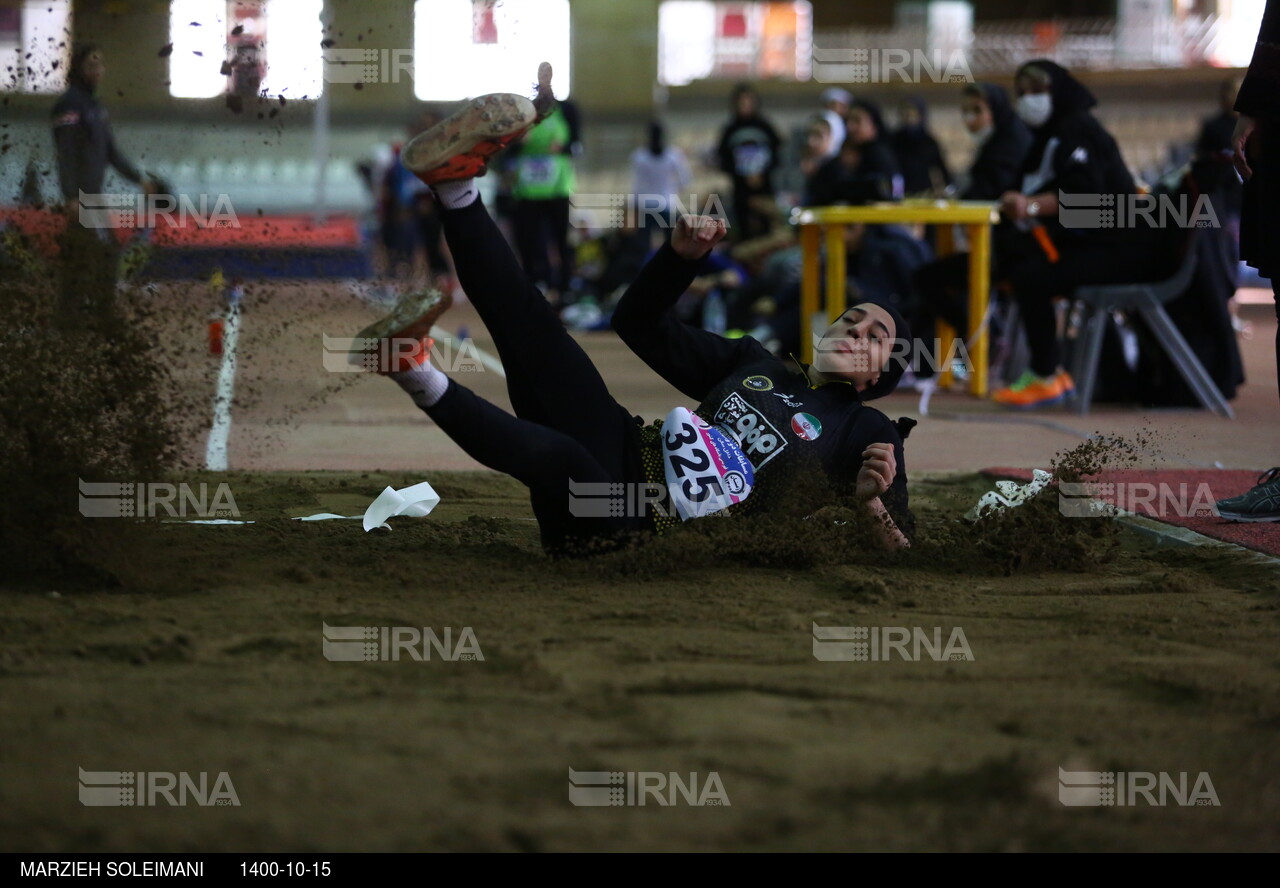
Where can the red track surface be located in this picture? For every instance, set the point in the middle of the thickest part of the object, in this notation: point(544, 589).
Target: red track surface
point(264, 232)
point(1181, 485)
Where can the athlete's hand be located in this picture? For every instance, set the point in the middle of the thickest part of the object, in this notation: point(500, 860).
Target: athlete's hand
point(879, 466)
point(694, 236)
point(1245, 126)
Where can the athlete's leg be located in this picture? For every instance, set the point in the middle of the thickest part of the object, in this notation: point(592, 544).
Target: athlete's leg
point(550, 379)
point(544, 460)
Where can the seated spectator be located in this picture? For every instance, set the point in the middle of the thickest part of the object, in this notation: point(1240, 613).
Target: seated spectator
point(835, 107)
point(773, 264)
point(865, 170)
point(924, 171)
point(1212, 163)
point(818, 148)
point(1071, 153)
point(1002, 141)
point(705, 302)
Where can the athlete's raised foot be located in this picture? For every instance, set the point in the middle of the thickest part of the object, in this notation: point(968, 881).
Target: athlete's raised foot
point(459, 147)
point(402, 339)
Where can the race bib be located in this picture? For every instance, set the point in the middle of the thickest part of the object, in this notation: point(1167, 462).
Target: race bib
point(706, 470)
point(537, 171)
point(751, 159)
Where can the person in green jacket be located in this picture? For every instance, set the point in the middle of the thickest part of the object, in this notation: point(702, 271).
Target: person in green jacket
point(544, 181)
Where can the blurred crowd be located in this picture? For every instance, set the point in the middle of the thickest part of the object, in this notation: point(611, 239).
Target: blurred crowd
point(1030, 142)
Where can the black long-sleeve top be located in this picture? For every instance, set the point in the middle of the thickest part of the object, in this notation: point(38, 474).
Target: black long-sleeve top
point(997, 168)
point(876, 177)
point(790, 430)
point(84, 143)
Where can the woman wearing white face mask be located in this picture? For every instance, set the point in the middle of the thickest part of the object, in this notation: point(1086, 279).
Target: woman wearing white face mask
point(1071, 153)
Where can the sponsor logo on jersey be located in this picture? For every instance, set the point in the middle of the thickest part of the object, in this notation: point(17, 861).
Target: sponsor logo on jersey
point(789, 400)
point(759, 440)
point(806, 425)
point(758, 383)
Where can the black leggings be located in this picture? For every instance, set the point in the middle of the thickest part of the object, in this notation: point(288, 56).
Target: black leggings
point(1128, 256)
point(567, 425)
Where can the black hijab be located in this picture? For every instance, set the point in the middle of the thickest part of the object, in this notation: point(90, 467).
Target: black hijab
point(79, 55)
point(997, 99)
point(996, 167)
point(877, 116)
point(1069, 95)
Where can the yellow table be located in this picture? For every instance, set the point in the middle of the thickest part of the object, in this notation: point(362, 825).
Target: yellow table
point(820, 225)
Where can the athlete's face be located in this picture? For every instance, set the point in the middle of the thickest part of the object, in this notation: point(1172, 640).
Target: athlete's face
point(857, 346)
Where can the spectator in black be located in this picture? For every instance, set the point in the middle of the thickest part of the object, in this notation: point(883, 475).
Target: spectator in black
point(1071, 153)
point(82, 133)
point(865, 170)
point(85, 147)
point(818, 149)
point(1002, 141)
point(1257, 157)
point(923, 168)
point(1214, 169)
point(748, 153)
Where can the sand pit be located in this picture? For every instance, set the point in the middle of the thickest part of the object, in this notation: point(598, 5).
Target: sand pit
point(200, 649)
point(211, 660)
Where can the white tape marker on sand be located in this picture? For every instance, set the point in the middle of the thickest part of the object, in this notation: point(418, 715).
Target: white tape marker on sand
point(215, 457)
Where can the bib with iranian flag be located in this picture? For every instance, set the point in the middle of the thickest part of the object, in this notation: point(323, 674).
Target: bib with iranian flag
point(706, 470)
